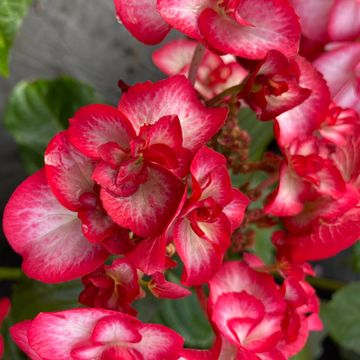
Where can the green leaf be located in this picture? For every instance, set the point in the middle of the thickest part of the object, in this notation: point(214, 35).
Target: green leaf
point(261, 132)
point(355, 259)
point(185, 316)
point(263, 246)
point(31, 297)
point(12, 13)
point(341, 317)
point(37, 110)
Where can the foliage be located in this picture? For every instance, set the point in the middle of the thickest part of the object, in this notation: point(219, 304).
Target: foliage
point(12, 13)
point(37, 110)
point(341, 316)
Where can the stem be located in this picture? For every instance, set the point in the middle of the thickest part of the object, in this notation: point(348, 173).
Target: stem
point(234, 90)
point(10, 273)
point(325, 284)
point(195, 62)
point(267, 182)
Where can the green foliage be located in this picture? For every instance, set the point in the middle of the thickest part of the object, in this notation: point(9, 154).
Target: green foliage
point(341, 317)
point(37, 110)
point(12, 13)
point(355, 259)
point(31, 297)
point(183, 315)
point(261, 132)
point(42, 297)
point(263, 246)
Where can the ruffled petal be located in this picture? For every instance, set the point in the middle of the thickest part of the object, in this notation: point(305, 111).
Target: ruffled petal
point(96, 125)
point(148, 210)
point(68, 171)
point(142, 19)
point(47, 235)
point(147, 103)
point(272, 25)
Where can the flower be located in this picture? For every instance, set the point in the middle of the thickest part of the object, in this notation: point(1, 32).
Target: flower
point(215, 74)
point(94, 334)
point(254, 318)
point(245, 28)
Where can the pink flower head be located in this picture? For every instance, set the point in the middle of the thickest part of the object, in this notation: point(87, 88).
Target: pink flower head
point(308, 173)
point(339, 123)
point(326, 224)
point(111, 172)
point(254, 318)
point(113, 287)
point(200, 228)
point(302, 313)
point(89, 334)
point(247, 310)
point(242, 27)
point(273, 87)
point(142, 149)
point(215, 73)
point(203, 228)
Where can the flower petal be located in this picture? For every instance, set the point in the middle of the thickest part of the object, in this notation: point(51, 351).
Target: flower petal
point(236, 314)
point(274, 25)
point(96, 125)
point(164, 289)
point(19, 333)
point(116, 328)
point(47, 235)
point(159, 342)
point(344, 21)
point(183, 15)
point(326, 239)
point(174, 56)
point(53, 335)
point(306, 117)
point(235, 210)
point(339, 69)
point(314, 17)
point(147, 103)
point(238, 276)
point(287, 199)
point(142, 19)
point(210, 177)
point(68, 171)
point(148, 211)
point(201, 256)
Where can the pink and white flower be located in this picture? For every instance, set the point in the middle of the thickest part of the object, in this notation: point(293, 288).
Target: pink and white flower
point(215, 73)
point(243, 28)
point(202, 230)
point(90, 334)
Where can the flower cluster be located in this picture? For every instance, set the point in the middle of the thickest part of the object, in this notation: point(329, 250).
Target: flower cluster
point(129, 193)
